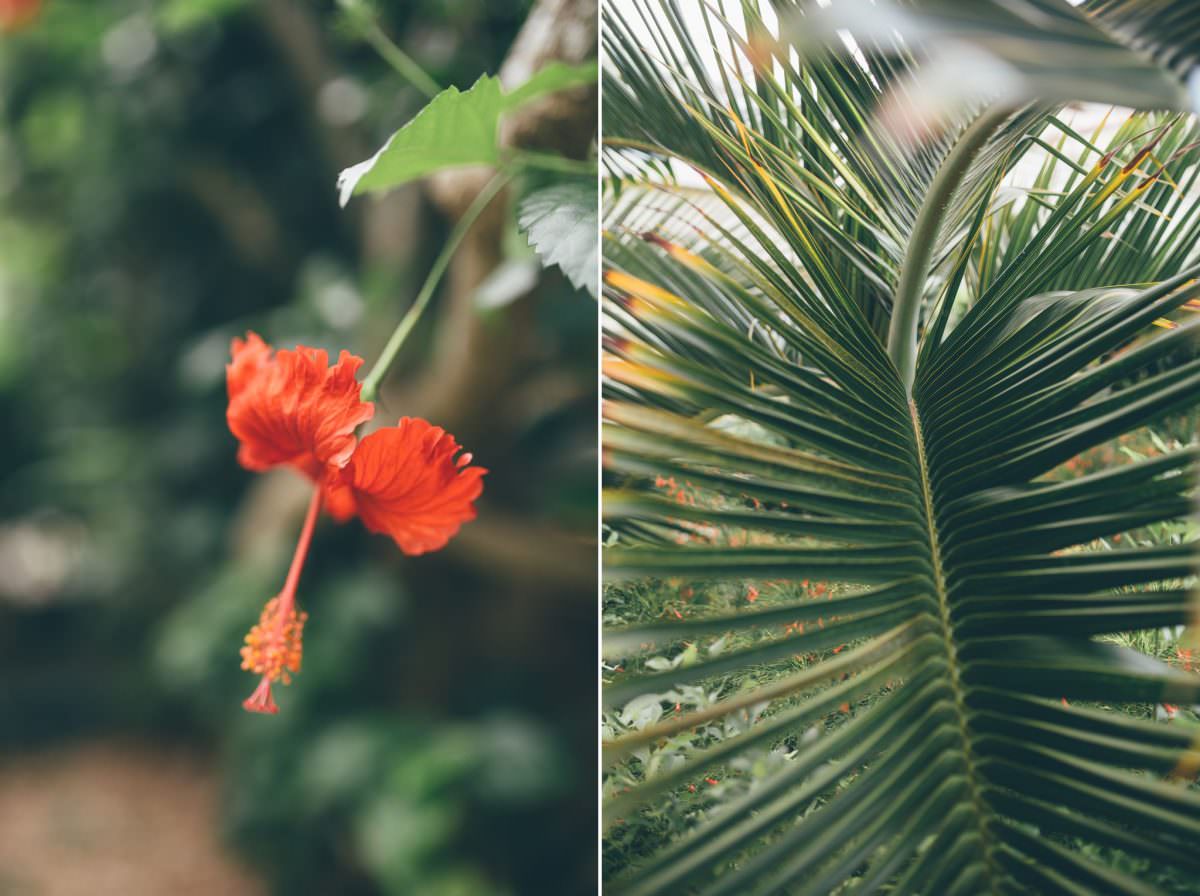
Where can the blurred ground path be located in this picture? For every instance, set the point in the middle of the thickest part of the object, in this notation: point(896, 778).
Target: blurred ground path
point(113, 818)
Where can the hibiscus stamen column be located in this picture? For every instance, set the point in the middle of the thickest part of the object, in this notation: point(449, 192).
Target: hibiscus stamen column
point(274, 647)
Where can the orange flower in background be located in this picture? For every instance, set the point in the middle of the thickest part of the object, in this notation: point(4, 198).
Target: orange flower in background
point(16, 14)
point(291, 408)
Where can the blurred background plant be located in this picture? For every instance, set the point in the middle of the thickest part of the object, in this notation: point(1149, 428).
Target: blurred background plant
point(167, 180)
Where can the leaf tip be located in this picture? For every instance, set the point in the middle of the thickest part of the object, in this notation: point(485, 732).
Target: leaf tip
point(349, 178)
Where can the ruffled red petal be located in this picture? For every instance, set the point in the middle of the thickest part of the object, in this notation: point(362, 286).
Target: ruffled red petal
point(249, 357)
point(293, 408)
point(406, 482)
point(338, 497)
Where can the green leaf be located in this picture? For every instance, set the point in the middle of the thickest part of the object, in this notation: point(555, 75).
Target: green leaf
point(457, 128)
point(551, 78)
point(561, 222)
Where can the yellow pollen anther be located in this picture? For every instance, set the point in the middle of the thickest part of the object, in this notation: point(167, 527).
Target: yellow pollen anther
point(273, 647)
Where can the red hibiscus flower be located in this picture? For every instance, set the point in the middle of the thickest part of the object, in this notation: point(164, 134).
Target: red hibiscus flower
point(291, 408)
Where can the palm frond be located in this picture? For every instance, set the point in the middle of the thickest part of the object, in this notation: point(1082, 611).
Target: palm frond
point(795, 141)
point(919, 728)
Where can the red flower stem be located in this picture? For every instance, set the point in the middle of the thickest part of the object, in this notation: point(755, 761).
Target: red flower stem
point(288, 594)
point(370, 386)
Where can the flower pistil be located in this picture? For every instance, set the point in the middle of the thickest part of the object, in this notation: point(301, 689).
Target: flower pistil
point(274, 646)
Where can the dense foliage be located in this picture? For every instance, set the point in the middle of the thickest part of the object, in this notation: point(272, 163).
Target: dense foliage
point(901, 438)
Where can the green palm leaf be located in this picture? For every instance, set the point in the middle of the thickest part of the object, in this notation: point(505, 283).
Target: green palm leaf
point(860, 361)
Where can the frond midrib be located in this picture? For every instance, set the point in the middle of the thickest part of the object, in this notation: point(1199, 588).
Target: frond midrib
point(954, 678)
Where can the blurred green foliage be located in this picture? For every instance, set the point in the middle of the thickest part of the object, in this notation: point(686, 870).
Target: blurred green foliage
point(166, 182)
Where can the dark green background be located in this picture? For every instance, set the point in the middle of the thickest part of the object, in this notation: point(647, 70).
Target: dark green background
point(441, 735)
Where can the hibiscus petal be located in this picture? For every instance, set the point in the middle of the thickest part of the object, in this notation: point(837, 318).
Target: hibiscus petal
point(293, 408)
point(337, 496)
point(249, 359)
point(405, 482)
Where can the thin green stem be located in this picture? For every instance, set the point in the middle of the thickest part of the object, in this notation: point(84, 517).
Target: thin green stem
point(902, 336)
point(551, 162)
point(369, 28)
point(370, 387)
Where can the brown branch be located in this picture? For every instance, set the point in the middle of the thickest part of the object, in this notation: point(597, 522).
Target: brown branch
point(475, 359)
